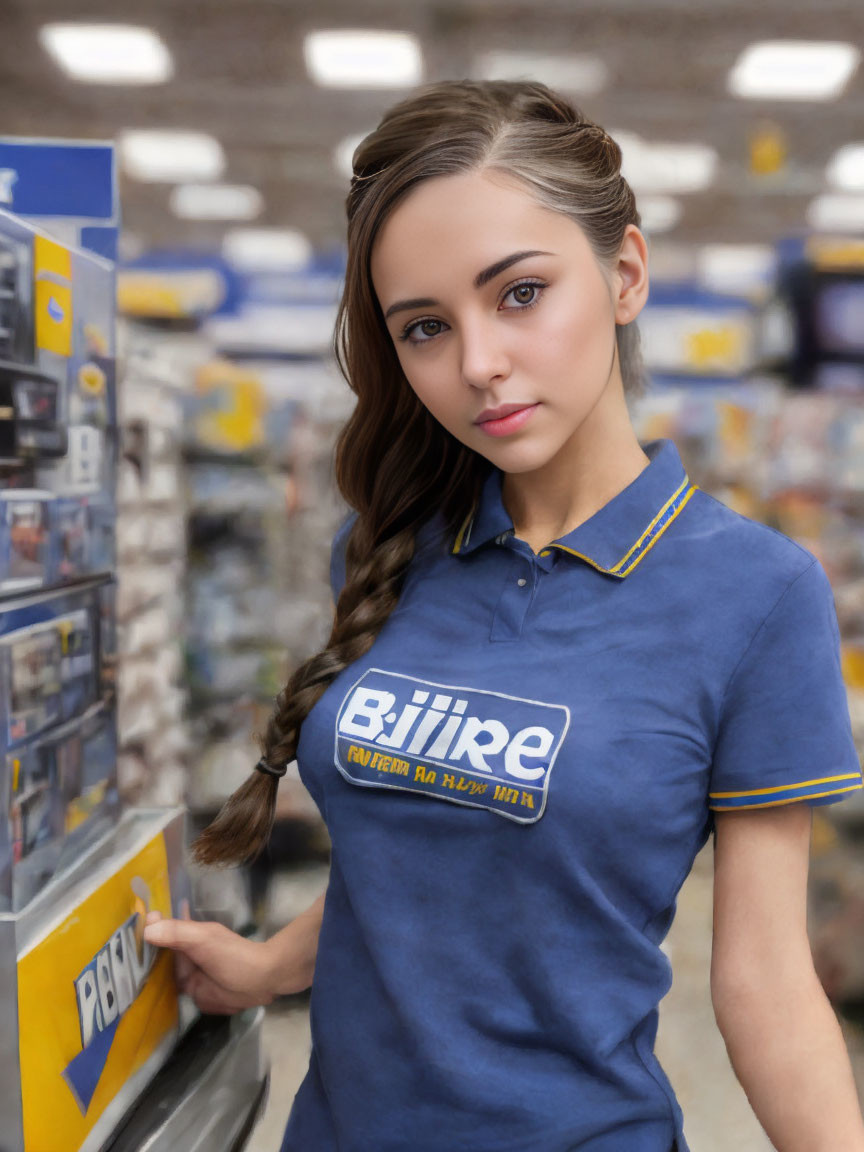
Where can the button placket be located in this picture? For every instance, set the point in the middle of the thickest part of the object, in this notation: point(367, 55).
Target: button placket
point(517, 595)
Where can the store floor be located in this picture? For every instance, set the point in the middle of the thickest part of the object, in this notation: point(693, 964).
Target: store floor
point(717, 1115)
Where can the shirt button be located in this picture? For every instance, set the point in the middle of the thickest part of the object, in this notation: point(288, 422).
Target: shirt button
point(521, 581)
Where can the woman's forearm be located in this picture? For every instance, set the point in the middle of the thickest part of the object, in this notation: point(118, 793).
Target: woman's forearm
point(292, 950)
point(789, 1055)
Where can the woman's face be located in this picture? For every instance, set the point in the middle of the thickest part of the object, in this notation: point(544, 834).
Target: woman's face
point(538, 334)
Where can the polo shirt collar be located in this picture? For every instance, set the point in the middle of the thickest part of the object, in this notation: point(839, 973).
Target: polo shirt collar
point(618, 535)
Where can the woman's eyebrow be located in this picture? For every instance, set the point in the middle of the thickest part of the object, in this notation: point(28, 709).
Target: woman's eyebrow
point(481, 279)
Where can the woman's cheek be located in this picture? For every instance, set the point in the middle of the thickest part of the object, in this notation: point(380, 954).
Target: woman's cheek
point(430, 397)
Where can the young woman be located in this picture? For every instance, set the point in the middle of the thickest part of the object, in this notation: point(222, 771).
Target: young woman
point(556, 667)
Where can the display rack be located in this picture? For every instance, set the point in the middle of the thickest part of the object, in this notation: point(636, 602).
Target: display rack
point(91, 1012)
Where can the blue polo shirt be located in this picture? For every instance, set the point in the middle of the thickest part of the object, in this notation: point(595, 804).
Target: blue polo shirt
point(516, 778)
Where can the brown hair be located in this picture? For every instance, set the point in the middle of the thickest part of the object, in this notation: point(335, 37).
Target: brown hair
point(394, 464)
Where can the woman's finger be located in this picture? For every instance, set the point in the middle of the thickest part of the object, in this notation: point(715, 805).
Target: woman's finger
point(163, 934)
point(189, 936)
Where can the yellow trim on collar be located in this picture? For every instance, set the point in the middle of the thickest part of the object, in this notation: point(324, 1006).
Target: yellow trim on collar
point(616, 569)
point(659, 515)
point(465, 524)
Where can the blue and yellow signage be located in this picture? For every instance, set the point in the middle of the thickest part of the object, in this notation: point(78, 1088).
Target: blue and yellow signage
point(52, 268)
point(94, 1002)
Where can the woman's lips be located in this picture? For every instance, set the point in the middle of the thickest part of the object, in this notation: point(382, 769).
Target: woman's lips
point(508, 424)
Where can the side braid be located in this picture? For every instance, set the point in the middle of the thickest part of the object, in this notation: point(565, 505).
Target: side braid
point(242, 828)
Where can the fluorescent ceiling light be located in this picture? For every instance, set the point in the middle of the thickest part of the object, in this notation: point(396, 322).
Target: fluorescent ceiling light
point(216, 202)
point(846, 168)
point(363, 59)
point(657, 167)
point(836, 213)
point(736, 268)
point(658, 213)
point(343, 154)
point(171, 156)
point(584, 74)
point(793, 70)
point(108, 53)
point(260, 249)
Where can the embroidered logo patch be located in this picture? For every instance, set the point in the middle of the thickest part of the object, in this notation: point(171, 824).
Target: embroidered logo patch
point(466, 745)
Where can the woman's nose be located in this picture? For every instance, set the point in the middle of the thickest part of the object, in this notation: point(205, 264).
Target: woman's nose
point(484, 357)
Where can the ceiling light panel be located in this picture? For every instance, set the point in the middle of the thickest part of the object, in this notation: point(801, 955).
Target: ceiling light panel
point(172, 156)
point(836, 213)
point(358, 58)
point(343, 154)
point(216, 202)
point(846, 168)
point(793, 70)
point(658, 213)
point(260, 249)
point(586, 75)
point(108, 53)
point(665, 167)
point(737, 268)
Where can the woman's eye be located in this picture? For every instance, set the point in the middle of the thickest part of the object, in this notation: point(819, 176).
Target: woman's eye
point(422, 326)
point(526, 293)
point(527, 287)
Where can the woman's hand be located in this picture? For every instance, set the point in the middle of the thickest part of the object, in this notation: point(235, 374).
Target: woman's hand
point(222, 971)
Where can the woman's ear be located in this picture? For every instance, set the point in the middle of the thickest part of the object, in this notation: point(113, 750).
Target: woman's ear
point(631, 276)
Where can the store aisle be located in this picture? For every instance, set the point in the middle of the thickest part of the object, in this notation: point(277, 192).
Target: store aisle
point(286, 1041)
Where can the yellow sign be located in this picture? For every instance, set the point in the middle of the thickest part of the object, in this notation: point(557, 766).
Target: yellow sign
point(837, 254)
point(233, 407)
point(171, 293)
point(54, 317)
point(52, 264)
point(94, 1002)
point(768, 149)
point(720, 347)
point(51, 258)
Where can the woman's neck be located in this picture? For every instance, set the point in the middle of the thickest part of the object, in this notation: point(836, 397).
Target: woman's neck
point(550, 502)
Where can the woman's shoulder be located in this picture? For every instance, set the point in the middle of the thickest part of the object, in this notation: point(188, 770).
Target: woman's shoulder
point(734, 551)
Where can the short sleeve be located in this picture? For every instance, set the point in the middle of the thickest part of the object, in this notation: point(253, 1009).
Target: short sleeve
point(785, 732)
point(337, 554)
